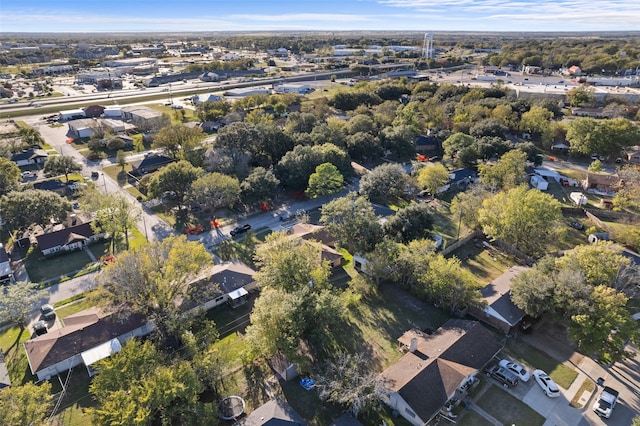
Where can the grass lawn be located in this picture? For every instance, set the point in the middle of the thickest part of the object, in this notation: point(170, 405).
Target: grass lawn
point(586, 386)
point(71, 411)
point(41, 268)
point(75, 307)
point(242, 248)
point(508, 409)
point(379, 319)
point(560, 373)
point(11, 340)
point(486, 265)
point(471, 418)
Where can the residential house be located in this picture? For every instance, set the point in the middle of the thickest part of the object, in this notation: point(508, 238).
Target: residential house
point(274, 413)
point(632, 154)
point(601, 182)
point(589, 112)
point(497, 308)
point(67, 238)
point(29, 157)
point(87, 337)
point(461, 178)
point(326, 241)
point(6, 273)
point(54, 185)
point(437, 368)
point(428, 145)
point(150, 164)
point(228, 282)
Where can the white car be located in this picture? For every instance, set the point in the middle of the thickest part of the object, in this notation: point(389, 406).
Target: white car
point(518, 369)
point(548, 386)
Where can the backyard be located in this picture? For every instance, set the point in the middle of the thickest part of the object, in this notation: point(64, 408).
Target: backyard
point(484, 263)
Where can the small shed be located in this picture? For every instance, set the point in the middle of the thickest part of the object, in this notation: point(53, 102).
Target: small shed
point(284, 369)
point(71, 114)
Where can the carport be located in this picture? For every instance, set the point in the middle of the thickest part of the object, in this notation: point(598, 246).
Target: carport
point(102, 351)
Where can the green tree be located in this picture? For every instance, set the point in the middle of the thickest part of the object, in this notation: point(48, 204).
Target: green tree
point(526, 219)
point(153, 279)
point(384, 181)
point(261, 185)
point(465, 205)
point(115, 216)
point(409, 223)
point(9, 176)
point(121, 159)
point(507, 173)
point(31, 137)
point(599, 263)
point(433, 177)
point(606, 137)
point(216, 190)
point(533, 290)
point(581, 96)
point(17, 303)
point(448, 284)
point(61, 165)
point(455, 143)
point(282, 321)
point(137, 386)
point(27, 404)
point(287, 263)
point(33, 206)
point(237, 140)
point(326, 180)
point(595, 166)
point(175, 179)
point(606, 325)
point(181, 142)
point(537, 122)
point(353, 222)
point(297, 165)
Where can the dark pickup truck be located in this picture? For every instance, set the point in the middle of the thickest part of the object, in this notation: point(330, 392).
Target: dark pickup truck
point(240, 230)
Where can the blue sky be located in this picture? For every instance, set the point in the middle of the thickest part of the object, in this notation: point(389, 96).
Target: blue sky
point(266, 15)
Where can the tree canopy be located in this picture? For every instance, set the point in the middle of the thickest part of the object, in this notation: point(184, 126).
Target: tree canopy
point(383, 181)
point(524, 218)
point(352, 220)
point(9, 176)
point(33, 206)
point(215, 190)
point(174, 180)
point(433, 177)
point(61, 165)
point(152, 279)
point(326, 180)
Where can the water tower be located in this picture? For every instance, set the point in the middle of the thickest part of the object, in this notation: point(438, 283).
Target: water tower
point(427, 46)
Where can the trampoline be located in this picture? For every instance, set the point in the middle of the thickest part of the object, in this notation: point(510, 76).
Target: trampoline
point(231, 408)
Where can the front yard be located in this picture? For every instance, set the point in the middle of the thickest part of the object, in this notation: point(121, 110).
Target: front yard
point(508, 409)
point(41, 268)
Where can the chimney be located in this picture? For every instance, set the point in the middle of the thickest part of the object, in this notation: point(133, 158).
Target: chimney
point(414, 344)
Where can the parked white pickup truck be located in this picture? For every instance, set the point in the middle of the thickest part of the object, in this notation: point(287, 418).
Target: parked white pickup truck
point(606, 402)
